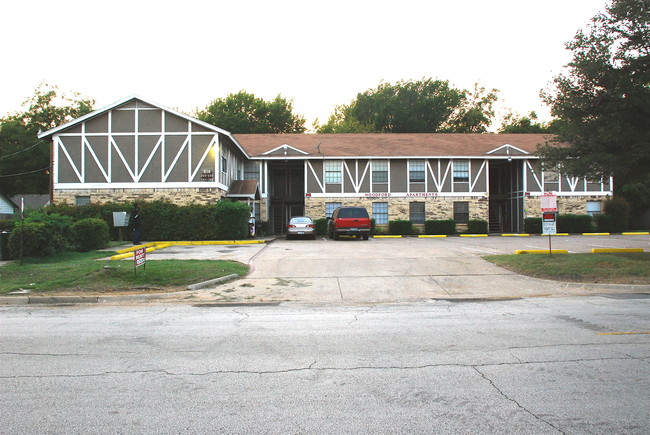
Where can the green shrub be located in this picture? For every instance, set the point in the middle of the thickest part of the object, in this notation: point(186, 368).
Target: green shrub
point(194, 222)
point(321, 226)
point(533, 225)
point(231, 220)
point(400, 227)
point(609, 223)
point(158, 220)
point(446, 227)
point(573, 223)
point(89, 234)
point(477, 226)
point(38, 239)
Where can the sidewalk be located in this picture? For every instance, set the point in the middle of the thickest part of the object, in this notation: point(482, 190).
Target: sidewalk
point(350, 273)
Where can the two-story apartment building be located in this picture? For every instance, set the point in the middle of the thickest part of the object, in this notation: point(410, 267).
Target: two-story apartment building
point(135, 149)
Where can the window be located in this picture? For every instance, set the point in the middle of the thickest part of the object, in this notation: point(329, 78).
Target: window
point(224, 164)
point(380, 171)
point(82, 200)
point(333, 173)
point(416, 171)
point(330, 207)
point(251, 171)
point(593, 208)
point(416, 212)
point(380, 212)
point(461, 171)
point(461, 212)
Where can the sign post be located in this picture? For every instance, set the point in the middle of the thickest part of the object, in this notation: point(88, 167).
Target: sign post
point(140, 259)
point(549, 217)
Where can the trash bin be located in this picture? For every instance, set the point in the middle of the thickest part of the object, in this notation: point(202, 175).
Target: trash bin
point(4, 245)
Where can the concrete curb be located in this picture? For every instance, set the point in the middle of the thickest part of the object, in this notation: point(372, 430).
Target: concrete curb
point(209, 282)
point(95, 299)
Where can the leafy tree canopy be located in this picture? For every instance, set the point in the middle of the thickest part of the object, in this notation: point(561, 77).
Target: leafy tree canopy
point(603, 97)
point(422, 106)
point(24, 159)
point(518, 124)
point(243, 113)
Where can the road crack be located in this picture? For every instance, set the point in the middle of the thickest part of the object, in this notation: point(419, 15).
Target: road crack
point(519, 405)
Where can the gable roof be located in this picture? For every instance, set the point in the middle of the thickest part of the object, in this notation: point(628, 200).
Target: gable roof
point(95, 113)
point(244, 189)
point(393, 144)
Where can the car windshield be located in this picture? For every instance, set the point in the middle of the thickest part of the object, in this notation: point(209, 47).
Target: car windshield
point(353, 212)
point(301, 220)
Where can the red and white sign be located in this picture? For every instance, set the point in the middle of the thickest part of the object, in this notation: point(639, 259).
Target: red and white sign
point(549, 202)
point(140, 256)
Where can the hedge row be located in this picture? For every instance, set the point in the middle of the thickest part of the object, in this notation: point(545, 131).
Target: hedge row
point(163, 220)
point(43, 234)
point(62, 227)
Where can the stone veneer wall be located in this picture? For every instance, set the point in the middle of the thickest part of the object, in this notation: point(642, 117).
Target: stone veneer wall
point(438, 208)
point(176, 196)
point(565, 204)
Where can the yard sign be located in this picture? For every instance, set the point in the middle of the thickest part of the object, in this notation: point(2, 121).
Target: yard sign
point(140, 258)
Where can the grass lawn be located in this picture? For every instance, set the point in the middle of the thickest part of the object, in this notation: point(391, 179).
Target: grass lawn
point(593, 268)
point(94, 272)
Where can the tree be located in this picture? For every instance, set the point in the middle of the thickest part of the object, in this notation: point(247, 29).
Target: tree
point(242, 113)
point(603, 98)
point(518, 124)
point(24, 159)
point(423, 106)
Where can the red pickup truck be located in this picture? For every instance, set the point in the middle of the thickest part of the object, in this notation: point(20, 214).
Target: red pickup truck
point(351, 221)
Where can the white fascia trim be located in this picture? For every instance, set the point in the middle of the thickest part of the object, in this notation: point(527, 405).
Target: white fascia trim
point(385, 195)
point(476, 157)
point(147, 185)
point(285, 147)
point(507, 146)
point(561, 194)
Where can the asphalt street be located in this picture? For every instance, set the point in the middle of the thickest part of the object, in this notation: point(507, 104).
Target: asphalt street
point(536, 365)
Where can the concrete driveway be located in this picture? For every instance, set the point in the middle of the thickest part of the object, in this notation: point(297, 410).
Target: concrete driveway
point(394, 270)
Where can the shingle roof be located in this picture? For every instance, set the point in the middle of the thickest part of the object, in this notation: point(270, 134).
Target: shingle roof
point(390, 144)
point(244, 189)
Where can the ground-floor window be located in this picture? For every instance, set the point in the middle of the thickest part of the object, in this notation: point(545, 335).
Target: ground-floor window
point(461, 212)
point(380, 212)
point(82, 200)
point(330, 207)
point(416, 212)
point(593, 208)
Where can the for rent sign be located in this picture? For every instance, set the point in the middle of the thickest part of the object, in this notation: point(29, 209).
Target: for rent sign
point(140, 257)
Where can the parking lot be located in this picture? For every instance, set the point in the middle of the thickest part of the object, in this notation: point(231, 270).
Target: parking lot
point(393, 270)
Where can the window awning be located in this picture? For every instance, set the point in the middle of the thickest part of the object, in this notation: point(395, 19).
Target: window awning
point(244, 189)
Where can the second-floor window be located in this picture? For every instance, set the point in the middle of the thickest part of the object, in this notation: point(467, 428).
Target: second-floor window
point(333, 172)
point(416, 171)
point(380, 171)
point(224, 164)
point(251, 171)
point(461, 171)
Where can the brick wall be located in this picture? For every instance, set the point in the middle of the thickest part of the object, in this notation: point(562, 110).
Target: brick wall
point(438, 208)
point(565, 204)
point(176, 196)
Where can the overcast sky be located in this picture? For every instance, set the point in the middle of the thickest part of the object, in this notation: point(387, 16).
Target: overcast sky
point(184, 54)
